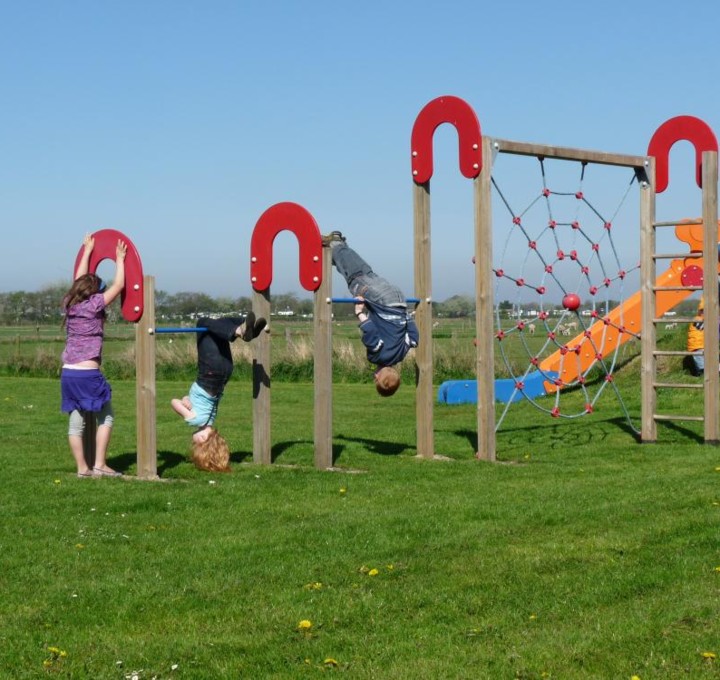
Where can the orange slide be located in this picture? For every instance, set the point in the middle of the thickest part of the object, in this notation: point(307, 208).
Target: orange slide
point(623, 323)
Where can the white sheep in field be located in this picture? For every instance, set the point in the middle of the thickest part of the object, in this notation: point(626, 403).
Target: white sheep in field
point(572, 325)
point(669, 326)
point(531, 328)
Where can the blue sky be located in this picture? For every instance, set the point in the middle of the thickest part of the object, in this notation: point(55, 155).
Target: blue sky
point(179, 123)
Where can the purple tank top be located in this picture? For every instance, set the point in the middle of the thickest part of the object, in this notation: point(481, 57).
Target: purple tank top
point(85, 322)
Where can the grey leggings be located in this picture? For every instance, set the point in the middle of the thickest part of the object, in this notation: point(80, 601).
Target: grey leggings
point(105, 416)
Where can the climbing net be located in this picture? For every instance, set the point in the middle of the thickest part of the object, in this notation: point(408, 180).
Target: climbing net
point(562, 319)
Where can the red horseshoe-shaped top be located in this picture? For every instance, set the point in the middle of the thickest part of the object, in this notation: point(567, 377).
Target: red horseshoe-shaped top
point(292, 217)
point(131, 298)
point(688, 128)
point(457, 112)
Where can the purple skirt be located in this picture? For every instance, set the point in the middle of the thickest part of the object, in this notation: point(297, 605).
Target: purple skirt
point(83, 390)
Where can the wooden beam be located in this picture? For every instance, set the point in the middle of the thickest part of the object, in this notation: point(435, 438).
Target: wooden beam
point(322, 365)
point(262, 446)
point(145, 385)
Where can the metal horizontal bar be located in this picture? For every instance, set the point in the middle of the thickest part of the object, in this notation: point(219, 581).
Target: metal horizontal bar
point(357, 301)
point(671, 353)
point(181, 329)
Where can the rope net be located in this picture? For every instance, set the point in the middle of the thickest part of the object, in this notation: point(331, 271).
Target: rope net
point(562, 319)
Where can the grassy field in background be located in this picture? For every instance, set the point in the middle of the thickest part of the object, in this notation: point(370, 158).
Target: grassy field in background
point(580, 554)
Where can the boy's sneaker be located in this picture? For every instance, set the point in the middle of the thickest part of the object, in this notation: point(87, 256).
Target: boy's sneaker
point(259, 326)
point(333, 237)
point(247, 329)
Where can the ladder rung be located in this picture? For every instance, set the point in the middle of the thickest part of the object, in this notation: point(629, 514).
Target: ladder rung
point(687, 288)
point(690, 386)
point(675, 319)
point(671, 353)
point(698, 419)
point(675, 223)
point(678, 256)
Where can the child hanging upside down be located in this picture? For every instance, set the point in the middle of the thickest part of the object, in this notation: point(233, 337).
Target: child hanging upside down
point(215, 366)
point(388, 332)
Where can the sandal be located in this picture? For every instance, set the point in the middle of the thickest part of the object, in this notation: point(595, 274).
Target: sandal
point(85, 475)
point(99, 472)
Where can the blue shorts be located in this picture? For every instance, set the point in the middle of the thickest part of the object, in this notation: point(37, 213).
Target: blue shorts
point(83, 390)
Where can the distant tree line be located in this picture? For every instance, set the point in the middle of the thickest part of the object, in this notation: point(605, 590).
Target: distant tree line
point(43, 307)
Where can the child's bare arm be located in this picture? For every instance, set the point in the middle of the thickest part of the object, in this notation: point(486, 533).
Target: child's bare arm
point(183, 407)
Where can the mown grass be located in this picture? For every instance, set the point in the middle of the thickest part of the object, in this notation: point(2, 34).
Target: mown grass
point(580, 554)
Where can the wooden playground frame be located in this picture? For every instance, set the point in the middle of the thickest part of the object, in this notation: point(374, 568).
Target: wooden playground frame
point(316, 276)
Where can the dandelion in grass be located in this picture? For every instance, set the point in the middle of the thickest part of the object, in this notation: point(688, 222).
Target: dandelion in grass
point(56, 481)
point(79, 546)
point(305, 626)
point(390, 567)
point(373, 572)
point(717, 568)
point(635, 677)
point(709, 656)
point(533, 617)
point(343, 490)
point(315, 585)
point(331, 662)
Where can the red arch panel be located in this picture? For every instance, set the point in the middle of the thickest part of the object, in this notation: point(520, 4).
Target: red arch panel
point(457, 112)
point(131, 298)
point(291, 217)
point(679, 128)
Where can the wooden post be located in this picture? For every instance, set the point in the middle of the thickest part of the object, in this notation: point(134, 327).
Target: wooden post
point(89, 434)
point(648, 296)
point(262, 444)
point(423, 320)
point(710, 292)
point(322, 366)
point(145, 385)
point(484, 308)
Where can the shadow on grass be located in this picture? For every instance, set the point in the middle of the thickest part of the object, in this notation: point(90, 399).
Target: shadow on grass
point(166, 460)
point(382, 448)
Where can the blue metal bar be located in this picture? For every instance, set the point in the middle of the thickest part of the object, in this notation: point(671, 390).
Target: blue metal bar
point(194, 329)
point(356, 301)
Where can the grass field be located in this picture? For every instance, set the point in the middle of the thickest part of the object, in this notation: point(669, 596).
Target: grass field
point(580, 554)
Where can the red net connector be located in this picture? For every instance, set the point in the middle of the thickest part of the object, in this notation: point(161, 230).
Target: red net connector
point(555, 412)
point(564, 350)
point(609, 377)
point(534, 361)
point(516, 220)
point(499, 273)
point(573, 255)
point(552, 224)
point(588, 408)
point(596, 247)
point(542, 316)
point(622, 274)
point(532, 245)
point(500, 335)
point(606, 282)
point(594, 314)
point(548, 269)
point(520, 282)
point(593, 290)
point(546, 192)
point(519, 386)
point(599, 356)
point(541, 290)
point(520, 325)
point(579, 195)
point(608, 225)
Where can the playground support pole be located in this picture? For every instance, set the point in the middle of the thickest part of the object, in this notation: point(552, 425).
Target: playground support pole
point(648, 275)
point(484, 308)
point(322, 366)
point(423, 320)
point(145, 383)
point(262, 445)
point(710, 292)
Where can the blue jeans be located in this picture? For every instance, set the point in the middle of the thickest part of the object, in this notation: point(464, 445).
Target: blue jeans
point(362, 281)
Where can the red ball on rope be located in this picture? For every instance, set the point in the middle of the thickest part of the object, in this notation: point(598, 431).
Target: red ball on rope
point(571, 301)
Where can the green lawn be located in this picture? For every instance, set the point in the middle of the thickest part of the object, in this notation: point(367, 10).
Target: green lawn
point(580, 554)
